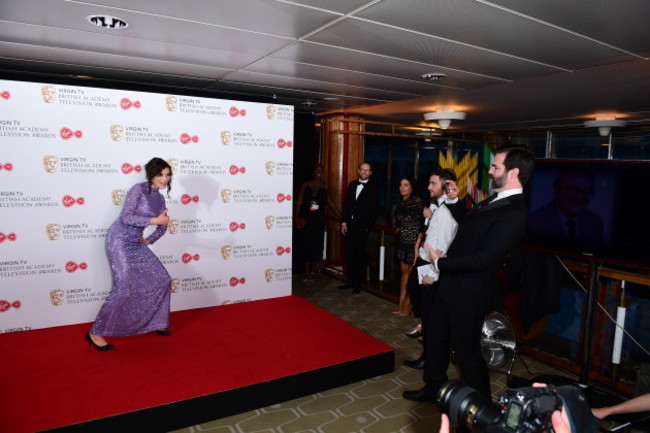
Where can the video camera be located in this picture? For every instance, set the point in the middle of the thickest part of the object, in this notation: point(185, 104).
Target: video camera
point(520, 410)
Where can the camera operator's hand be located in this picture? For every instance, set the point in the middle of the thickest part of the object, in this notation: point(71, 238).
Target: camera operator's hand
point(444, 424)
point(560, 422)
point(559, 419)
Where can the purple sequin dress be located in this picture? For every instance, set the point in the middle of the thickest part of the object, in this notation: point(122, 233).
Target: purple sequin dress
point(139, 299)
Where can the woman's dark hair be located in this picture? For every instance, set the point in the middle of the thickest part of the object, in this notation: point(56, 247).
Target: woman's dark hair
point(154, 167)
point(414, 184)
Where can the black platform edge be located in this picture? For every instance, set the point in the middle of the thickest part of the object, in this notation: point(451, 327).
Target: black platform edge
point(185, 413)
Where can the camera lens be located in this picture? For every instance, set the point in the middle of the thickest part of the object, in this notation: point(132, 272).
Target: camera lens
point(466, 406)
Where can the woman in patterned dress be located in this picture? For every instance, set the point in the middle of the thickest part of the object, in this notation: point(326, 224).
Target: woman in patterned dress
point(408, 221)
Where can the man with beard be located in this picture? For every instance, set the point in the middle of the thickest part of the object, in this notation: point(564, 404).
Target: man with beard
point(468, 276)
point(359, 212)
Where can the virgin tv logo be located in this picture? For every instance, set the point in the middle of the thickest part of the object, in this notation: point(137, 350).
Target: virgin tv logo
point(7, 237)
point(234, 170)
point(187, 199)
point(6, 305)
point(5, 95)
point(234, 112)
point(235, 226)
point(7, 166)
point(126, 103)
point(67, 133)
point(281, 250)
point(68, 201)
point(128, 168)
point(234, 281)
point(281, 197)
point(282, 143)
point(72, 266)
point(186, 138)
point(187, 257)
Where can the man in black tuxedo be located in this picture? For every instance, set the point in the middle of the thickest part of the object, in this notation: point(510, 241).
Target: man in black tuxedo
point(468, 276)
point(360, 210)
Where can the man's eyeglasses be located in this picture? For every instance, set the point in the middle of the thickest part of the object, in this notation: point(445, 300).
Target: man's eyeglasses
point(365, 169)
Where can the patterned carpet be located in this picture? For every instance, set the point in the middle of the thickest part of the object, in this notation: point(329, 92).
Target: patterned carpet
point(369, 406)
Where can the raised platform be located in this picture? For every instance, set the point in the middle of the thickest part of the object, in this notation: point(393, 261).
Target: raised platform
point(219, 362)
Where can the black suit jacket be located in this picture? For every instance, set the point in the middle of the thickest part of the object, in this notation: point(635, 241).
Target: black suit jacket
point(360, 213)
point(484, 238)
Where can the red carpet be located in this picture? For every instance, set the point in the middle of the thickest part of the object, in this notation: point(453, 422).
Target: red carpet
point(51, 378)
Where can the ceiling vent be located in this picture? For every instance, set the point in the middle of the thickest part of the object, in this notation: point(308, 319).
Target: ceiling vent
point(107, 22)
point(434, 76)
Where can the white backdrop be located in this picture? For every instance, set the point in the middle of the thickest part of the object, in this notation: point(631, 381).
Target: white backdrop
point(68, 156)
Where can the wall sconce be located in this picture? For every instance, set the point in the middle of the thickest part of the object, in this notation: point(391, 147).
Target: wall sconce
point(605, 123)
point(444, 116)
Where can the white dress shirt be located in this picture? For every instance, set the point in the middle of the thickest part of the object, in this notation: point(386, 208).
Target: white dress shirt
point(441, 231)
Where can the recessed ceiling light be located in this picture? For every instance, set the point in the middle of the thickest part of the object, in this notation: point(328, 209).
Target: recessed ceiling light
point(330, 98)
point(107, 22)
point(434, 76)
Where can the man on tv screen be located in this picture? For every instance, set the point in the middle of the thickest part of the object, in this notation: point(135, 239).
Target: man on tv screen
point(566, 218)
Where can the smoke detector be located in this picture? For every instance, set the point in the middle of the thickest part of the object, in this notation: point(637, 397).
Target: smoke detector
point(434, 76)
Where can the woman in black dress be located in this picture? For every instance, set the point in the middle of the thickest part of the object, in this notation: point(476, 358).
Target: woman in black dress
point(408, 221)
point(310, 220)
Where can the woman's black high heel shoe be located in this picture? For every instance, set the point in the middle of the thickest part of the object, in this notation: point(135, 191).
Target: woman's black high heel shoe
point(96, 346)
point(163, 332)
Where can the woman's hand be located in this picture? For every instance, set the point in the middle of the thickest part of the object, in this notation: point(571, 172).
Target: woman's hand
point(160, 220)
point(434, 254)
point(426, 212)
point(144, 241)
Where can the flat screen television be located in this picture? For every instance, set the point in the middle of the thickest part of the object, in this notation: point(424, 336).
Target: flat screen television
point(591, 209)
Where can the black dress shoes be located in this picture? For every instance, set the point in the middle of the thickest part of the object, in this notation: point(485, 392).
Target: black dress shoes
point(163, 332)
point(345, 286)
point(356, 290)
point(417, 364)
point(423, 394)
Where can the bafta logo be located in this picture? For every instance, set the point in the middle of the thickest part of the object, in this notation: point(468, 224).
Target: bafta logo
point(117, 131)
point(117, 196)
point(226, 252)
point(176, 285)
point(270, 167)
point(270, 112)
point(172, 227)
point(50, 163)
point(48, 93)
point(226, 137)
point(173, 163)
point(56, 297)
point(226, 195)
point(53, 231)
point(268, 275)
point(171, 102)
point(269, 222)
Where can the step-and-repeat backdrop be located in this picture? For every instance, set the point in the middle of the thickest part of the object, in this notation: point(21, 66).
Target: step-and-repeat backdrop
point(69, 154)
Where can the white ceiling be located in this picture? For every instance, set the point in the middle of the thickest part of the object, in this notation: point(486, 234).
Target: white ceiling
point(509, 63)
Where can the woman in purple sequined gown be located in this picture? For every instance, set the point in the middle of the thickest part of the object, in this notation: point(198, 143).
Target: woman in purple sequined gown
point(139, 299)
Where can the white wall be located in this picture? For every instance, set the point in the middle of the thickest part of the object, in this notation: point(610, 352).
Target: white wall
point(230, 203)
